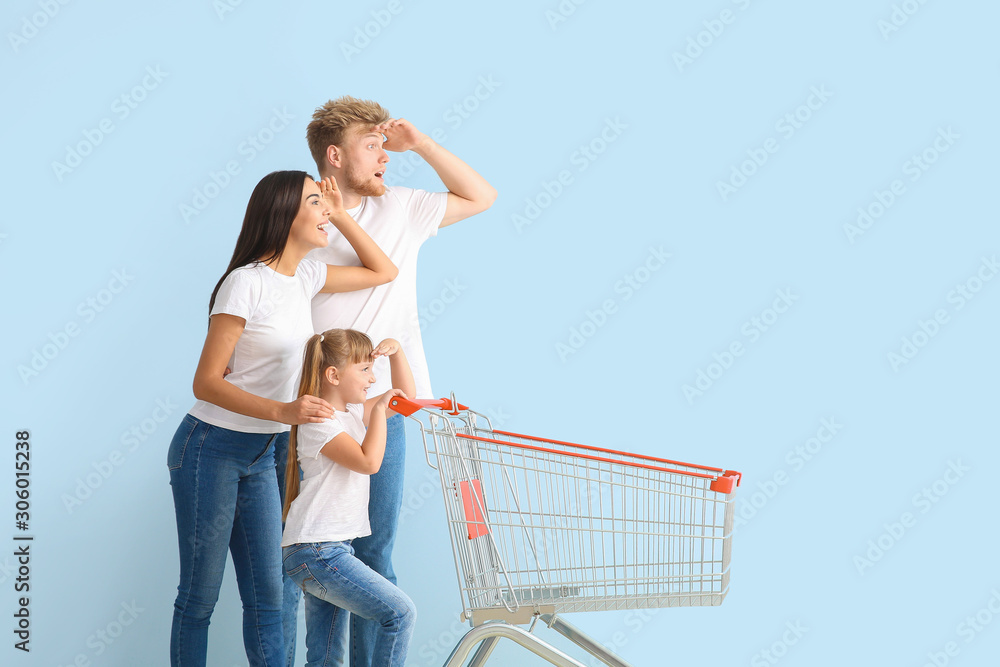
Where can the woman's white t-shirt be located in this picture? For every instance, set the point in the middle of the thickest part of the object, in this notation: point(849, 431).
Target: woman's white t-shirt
point(332, 505)
point(267, 360)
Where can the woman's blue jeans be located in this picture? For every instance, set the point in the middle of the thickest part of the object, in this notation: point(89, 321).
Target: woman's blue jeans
point(226, 500)
point(338, 585)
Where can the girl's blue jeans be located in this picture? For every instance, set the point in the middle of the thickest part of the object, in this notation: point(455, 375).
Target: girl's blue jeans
point(337, 585)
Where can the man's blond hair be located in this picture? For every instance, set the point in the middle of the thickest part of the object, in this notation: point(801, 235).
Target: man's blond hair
point(332, 121)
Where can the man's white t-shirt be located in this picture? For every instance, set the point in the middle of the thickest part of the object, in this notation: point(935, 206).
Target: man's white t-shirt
point(399, 222)
point(332, 505)
point(267, 359)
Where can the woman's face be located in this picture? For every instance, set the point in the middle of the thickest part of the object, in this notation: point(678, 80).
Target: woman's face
point(309, 226)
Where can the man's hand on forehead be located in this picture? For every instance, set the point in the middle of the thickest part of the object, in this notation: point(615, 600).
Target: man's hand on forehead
point(400, 135)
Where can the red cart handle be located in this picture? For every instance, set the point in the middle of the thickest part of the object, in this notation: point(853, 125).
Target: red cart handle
point(724, 483)
point(407, 407)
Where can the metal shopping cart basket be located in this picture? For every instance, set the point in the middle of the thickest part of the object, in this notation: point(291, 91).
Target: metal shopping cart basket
point(541, 527)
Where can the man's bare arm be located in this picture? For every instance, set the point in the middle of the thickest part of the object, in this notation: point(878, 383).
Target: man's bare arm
point(468, 192)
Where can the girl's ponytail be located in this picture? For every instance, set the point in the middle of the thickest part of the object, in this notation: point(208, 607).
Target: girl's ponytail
point(312, 371)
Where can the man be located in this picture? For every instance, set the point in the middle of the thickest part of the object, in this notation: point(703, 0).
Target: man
point(346, 141)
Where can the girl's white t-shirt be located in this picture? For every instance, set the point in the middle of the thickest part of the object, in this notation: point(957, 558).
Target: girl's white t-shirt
point(332, 505)
point(267, 360)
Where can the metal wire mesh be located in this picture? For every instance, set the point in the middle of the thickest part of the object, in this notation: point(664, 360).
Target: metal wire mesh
point(562, 527)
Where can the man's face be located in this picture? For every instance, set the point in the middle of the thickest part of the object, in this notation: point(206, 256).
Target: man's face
point(363, 161)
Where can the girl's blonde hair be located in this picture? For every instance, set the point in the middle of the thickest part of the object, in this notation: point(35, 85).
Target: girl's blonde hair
point(338, 348)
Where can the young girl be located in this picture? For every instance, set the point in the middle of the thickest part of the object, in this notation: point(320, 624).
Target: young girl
point(222, 457)
point(337, 456)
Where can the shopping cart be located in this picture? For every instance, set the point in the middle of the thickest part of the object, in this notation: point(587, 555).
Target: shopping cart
point(541, 527)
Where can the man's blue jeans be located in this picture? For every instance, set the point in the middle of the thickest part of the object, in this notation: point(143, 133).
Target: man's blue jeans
point(336, 583)
point(226, 499)
point(375, 551)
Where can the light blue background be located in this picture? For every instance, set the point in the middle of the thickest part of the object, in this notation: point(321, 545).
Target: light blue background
point(554, 85)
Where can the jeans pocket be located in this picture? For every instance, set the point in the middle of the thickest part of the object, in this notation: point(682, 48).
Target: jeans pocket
point(303, 576)
point(296, 571)
point(179, 443)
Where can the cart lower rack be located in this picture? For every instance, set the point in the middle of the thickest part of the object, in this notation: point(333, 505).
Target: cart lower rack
point(541, 527)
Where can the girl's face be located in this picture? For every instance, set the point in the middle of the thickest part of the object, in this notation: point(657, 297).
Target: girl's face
point(309, 226)
point(355, 380)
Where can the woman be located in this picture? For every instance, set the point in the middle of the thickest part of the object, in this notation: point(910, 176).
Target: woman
point(222, 457)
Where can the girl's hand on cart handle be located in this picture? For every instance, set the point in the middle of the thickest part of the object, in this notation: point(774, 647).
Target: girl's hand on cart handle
point(305, 410)
point(388, 347)
point(383, 401)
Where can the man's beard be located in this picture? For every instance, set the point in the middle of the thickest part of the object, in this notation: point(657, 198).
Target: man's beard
point(367, 187)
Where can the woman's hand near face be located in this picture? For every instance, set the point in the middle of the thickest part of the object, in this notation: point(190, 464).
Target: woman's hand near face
point(331, 195)
point(376, 268)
